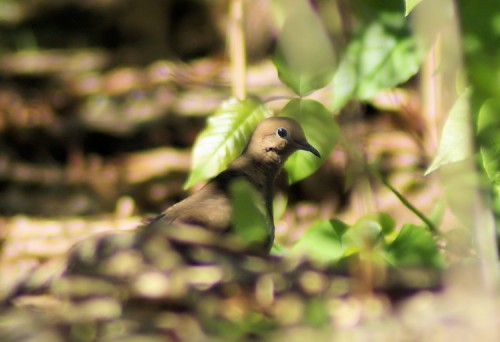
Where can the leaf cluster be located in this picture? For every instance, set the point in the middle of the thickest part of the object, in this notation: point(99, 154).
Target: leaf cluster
point(333, 241)
point(381, 53)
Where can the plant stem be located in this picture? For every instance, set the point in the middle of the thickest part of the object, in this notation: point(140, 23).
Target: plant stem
point(237, 50)
point(405, 202)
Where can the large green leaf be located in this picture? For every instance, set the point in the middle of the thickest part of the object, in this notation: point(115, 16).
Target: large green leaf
point(322, 242)
point(381, 55)
point(366, 234)
point(456, 139)
point(225, 137)
point(321, 131)
point(414, 246)
point(330, 241)
point(304, 55)
point(249, 215)
point(489, 137)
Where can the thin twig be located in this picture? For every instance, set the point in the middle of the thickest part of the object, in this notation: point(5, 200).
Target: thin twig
point(237, 49)
point(405, 202)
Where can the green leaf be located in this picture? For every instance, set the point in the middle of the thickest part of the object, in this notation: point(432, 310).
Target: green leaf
point(321, 131)
point(322, 242)
point(386, 222)
point(410, 5)
point(414, 247)
point(366, 233)
point(279, 205)
point(489, 138)
point(249, 214)
point(455, 144)
point(225, 137)
point(381, 55)
point(278, 249)
point(480, 27)
point(304, 55)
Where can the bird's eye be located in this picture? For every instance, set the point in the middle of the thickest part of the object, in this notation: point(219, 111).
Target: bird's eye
point(282, 132)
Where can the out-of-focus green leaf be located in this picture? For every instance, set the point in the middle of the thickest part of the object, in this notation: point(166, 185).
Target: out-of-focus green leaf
point(481, 42)
point(330, 241)
point(489, 137)
point(489, 141)
point(365, 234)
point(225, 137)
point(304, 55)
point(278, 249)
point(386, 222)
point(249, 214)
point(322, 242)
point(321, 131)
point(279, 205)
point(410, 5)
point(480, 27)
point(413, 247)
point(455, 144)
point(382, 53)
point(334, 242)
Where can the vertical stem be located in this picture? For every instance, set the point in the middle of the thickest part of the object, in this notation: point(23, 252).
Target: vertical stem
point(237, 51)
point(432, 84)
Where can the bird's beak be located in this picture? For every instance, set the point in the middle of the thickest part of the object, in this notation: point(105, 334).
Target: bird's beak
point(307, 147)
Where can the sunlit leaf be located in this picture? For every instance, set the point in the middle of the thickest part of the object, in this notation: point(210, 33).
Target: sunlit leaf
point(489, 137)
point(322, 242)
point(414, 246)
point(321, 131)
point(279, 205)
point(489, 140)
point(304, 55)
point(386, 221)
point(366, 233)
point(455, 144)
point(381, 55)
point(278, 249)
point(410, 5)
point(224, 137)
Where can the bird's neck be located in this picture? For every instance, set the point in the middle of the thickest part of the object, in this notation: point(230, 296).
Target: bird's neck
point(261, 171)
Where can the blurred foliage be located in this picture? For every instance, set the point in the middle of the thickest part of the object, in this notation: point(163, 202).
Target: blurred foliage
point(332, 241)
point(481, 33)
point(304, 56)
point(92, 92)
point(455, 144)
point(382, 53)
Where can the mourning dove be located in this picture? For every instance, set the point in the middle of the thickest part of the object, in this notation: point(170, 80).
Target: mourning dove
point(271, 143)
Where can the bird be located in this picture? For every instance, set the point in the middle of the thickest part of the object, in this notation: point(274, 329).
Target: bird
point(271, 143)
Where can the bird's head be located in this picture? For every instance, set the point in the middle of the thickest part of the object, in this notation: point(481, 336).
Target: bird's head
point(275, 139)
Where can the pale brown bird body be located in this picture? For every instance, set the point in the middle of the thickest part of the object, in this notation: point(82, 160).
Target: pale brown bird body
point(271, 143)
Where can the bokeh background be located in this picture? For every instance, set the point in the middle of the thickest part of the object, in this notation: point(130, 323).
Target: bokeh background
point(102, 100)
